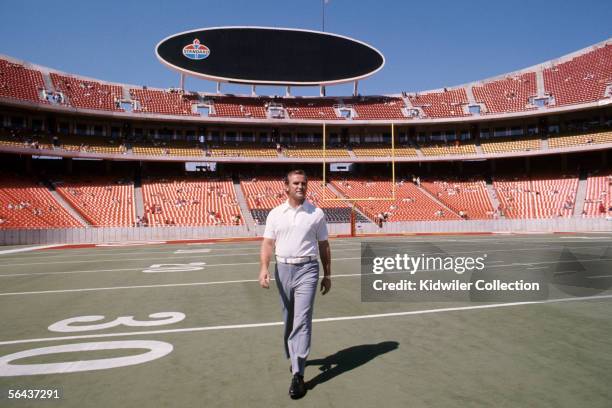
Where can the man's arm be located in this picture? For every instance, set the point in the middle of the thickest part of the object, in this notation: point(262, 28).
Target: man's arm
point(267, 248)
point(325, 253)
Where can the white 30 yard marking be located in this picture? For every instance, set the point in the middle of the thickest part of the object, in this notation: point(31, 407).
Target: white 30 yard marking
point(65, 325)
point(321, 320)
point(192, 251)
point(156, 349)
point(160, 268)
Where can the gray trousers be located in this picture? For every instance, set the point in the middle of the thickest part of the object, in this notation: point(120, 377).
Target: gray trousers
point(297, 286)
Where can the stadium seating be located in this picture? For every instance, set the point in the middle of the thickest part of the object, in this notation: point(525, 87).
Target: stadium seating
point(242, 151)
point(598, 199)
point(470, 197)
point(505, 144)
point(382, 151)
point(267, 193)
point(311, 108)
point(190, 202)
point(87, 94)
point(34, 142)
point(231, 107)
point(507, 95)
point(311, 152)
point(448, 103)
point(24, 203)
point(162, 102)
point(537, 198)
point(410, 204)
point(18, 82)
point(581, 79)
point(263, 194)
point(464, 147)
point(91, 144)
point(579, 139)
point(377, 108)
point(170, 148)
point(102, 201)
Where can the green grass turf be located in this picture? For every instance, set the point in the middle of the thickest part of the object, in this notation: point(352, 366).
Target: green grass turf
point(554, 354)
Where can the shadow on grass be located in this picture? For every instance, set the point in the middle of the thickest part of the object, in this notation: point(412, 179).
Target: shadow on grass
point(347, 359)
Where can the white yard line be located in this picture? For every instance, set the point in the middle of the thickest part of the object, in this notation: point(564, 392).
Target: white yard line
point(172, 256)
point(321, 320)
point(27, 249)
point(256, 280)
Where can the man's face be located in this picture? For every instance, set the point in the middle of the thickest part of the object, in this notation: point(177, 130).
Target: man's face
point(297, 187)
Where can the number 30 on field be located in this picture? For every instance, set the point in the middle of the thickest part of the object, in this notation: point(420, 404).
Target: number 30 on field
point(155, 349)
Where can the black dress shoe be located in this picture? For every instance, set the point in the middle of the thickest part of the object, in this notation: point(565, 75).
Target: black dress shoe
point(297, 389)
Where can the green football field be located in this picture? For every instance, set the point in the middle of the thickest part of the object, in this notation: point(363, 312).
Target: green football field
point(187, 325)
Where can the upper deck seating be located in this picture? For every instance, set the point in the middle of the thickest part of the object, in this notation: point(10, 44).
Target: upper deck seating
point(18, 82)
point(581, 79)
point(507, 95)
point(162, 102)
point(88, 94)
point(448, 103)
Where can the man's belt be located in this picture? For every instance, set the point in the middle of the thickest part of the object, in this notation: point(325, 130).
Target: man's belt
point(297, 260)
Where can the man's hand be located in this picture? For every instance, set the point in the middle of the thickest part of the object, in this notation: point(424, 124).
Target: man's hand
point(264, 278)
point(325, 284)
point(267, 247)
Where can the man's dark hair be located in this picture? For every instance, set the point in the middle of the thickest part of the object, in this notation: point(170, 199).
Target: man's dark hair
point(292, 172)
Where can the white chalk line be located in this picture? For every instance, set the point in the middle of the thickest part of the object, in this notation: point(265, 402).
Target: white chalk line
point(27, 249)
point(231, 247)
point(184, 256)
point(319, 320)
point(167, 285)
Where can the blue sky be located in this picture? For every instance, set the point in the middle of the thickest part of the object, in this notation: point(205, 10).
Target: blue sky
point(427, 45)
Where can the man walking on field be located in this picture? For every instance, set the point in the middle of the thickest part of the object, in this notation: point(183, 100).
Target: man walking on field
point(296, 232)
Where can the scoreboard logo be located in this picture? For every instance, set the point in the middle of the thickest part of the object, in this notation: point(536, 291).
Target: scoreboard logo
point(196, 51)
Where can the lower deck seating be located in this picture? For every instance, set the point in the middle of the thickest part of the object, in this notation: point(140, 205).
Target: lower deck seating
point(598, 199)
point(102, 201)
point(467, 197)
point(410, 203)
point(25, 203)
point(333, 215)
point(537, 198)
point(190, 202)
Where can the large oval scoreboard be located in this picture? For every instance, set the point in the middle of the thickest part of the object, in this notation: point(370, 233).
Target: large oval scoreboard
point(270, 56)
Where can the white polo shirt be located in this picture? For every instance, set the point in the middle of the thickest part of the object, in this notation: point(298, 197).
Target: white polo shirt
point(297, 231)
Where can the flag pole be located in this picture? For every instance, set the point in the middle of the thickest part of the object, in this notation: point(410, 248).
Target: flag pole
point(323, 15)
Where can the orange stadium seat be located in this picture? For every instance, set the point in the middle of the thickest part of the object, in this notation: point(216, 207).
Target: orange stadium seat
point(162, 102)
point(471, 197)
point(507, 95)
point(190, 202)
point(88, 94)
point(448, 103)
point(25, 203)
point(102, 201)
point(598, 199)
point(410, 204)
point(18, 82)
point(537, 198)
point(581, 79)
